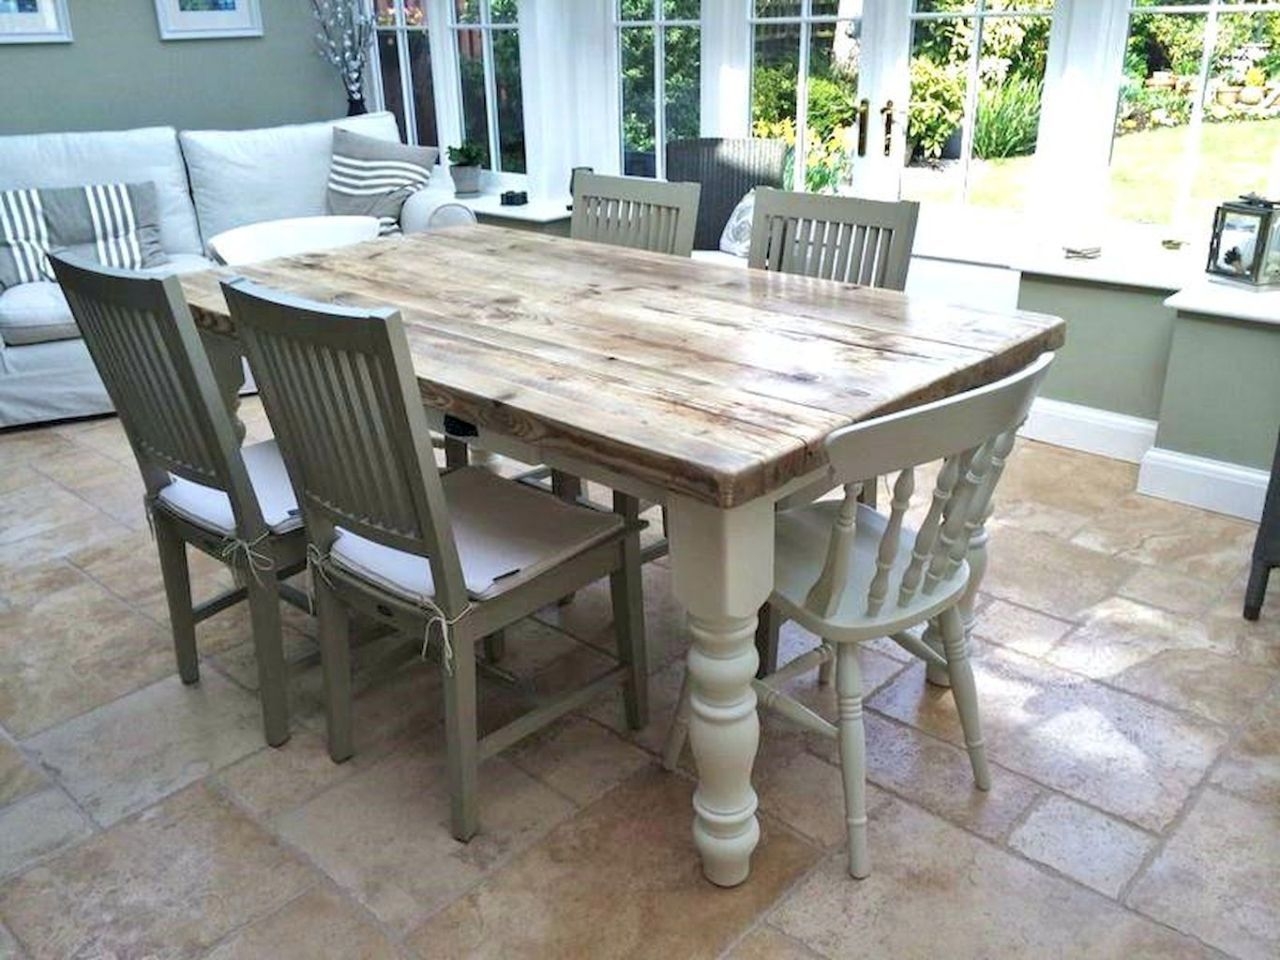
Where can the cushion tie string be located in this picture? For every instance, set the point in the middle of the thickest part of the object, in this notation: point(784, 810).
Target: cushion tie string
point(315, 568)
point(235, 548)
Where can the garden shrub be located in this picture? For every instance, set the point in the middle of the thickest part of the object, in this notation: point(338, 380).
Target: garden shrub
point(936, 107)
point(1008, 119)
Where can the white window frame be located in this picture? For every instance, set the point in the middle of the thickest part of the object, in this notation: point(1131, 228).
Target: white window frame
point(373, 74)
point(659, 23)
point(486, 27)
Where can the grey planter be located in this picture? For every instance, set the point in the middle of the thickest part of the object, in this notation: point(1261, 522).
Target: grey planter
point(466, 181)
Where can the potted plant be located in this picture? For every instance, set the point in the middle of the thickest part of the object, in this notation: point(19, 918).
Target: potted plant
point(465, 163)
point(343, 40)
point(1255, 87)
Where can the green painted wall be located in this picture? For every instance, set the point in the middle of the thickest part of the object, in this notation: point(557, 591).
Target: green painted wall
point(117, 74)
point(1222, 394)
point(1117, 348)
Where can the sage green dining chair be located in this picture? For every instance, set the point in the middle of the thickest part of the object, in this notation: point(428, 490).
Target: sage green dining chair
point(847, 239)
point(848, 573)
point(202, 488)
point(635, 212)
point(452, 558)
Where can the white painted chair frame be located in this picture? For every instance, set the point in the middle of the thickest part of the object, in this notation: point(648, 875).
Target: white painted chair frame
point(255, 242)
point(868, 586)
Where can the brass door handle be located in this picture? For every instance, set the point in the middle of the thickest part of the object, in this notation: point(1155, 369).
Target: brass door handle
point(864, 121)
point(887, 112)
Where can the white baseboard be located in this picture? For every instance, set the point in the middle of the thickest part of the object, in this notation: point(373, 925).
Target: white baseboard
point(1090, 429)
point(1210, 484)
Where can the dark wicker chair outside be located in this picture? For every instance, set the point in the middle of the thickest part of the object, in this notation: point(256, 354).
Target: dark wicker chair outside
point(727, 169)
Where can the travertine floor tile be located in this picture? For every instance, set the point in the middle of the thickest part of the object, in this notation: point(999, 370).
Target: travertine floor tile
point(383, 834)
point(1171, 591)
point(1018, 628)
point(1129, 757)
point(1219, 876)
point(936, 891)
point(766, 943)
point(1212, 548)
point(9, 949)
point(578, 758)
point(128, 754)
point(39, 508)
point(319, 925)
point(130, 568)
point(166, 884)
point(68, 537)
point(1165, 657)
point(25, 584)
point(71, 651)
point(1048, 574)
point(278, 779)
point(17, 777)
point(1250, 766)
point(653, 902)
point(1045, 475)
point(1088, 846)
point(37, 826)
point(34, 444)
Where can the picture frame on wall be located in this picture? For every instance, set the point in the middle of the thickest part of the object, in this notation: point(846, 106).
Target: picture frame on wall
point(34, 21)
point(207, 19)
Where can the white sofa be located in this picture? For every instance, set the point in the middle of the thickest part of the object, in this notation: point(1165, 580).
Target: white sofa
point(206, 181)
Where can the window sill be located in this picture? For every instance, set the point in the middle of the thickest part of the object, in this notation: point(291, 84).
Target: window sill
point(1228, 301)
point(489, 202)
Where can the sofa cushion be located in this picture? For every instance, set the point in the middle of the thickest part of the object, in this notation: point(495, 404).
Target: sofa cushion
point(127, 156)
point(35, 313)
point(115, 224)
point(246, 176)
point(373, 178)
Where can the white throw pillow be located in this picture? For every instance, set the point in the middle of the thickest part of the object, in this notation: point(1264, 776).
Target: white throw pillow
point(736, 238)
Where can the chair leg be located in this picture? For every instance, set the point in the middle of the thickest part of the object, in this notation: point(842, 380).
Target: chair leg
point(825, 670)
point(460, 735)
point(679, 732)
point(268, 650)
point(853, 756)
point(768, 634)
point(965, 693)
point(495, 646)
point(177, 588)
point(1255, 592)
point(627, 596)
point(335, 664)
point(932, 636)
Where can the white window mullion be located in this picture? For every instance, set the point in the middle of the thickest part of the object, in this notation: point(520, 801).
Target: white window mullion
point(490, 96)
point(802, 105)
point(659, 94)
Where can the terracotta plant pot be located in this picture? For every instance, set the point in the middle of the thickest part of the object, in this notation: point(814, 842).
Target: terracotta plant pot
point(1227, 96)
point(1252, 96)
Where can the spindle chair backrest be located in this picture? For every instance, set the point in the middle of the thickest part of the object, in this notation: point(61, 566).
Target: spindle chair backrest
point(635, 212)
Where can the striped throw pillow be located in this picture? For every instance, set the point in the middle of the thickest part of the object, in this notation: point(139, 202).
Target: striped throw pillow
point(115, 224)
point(373, 178)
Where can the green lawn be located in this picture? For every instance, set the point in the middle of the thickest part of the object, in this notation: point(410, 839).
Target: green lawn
point(1147, 172)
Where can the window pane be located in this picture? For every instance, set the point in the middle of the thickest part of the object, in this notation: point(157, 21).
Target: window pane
point(467, 11)
point(475, 118)
point(415, 15)
point(424, 99)
point(684, 82)
point(510, 106)
point(775, 66)
point(503, 11)
point(636, 9)
point(831, 105)
point(682, 9)
point(940, 51)
point(1007, 126)
point(384, 12)
point(389, 68)
point(777, 8)
point(638, 123)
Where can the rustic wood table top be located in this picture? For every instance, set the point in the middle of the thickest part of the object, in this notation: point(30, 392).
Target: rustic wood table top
point(714, 382)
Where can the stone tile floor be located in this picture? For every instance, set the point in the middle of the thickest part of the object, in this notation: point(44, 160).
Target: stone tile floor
point(1133, 719)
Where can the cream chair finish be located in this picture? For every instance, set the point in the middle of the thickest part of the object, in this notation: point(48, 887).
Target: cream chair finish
point(848, 239)
point(453, 559)
point(201, 488)
point(849, 574)
point(450, 214)
point(256, 242)
point(635, 212)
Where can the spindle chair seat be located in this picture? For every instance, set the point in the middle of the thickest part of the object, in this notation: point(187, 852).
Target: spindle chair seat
point(452, 559)
point(849, 573)
point(202, 489)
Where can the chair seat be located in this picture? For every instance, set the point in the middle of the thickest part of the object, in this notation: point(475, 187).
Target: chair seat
point(800, 551)
point(506, 533)
point(211, 508)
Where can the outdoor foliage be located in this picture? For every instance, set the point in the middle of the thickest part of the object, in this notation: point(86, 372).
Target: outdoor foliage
point(1008, 119)
point(936, 107)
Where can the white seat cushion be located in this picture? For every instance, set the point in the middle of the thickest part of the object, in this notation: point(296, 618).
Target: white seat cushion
point(211, 509)
point(506, 534)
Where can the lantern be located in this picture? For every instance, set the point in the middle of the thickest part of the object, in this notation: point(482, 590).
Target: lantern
point(1246, 241)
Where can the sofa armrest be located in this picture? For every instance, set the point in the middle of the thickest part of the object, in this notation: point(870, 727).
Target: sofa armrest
point(416, 212)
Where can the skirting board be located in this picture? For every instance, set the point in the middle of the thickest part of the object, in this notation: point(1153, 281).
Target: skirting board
point(1210, 484)
point(1108, 434)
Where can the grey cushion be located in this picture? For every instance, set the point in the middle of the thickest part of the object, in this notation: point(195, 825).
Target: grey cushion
point(373, 178)
point(149, 155)
point(247, 176)
point(35, 313)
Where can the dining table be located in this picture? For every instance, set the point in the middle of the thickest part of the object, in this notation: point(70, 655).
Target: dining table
point(707, 388)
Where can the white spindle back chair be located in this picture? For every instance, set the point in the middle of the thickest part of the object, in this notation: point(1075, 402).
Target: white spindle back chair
point(848, 573)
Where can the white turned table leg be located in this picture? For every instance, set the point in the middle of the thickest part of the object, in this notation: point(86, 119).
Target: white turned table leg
point(722, 569)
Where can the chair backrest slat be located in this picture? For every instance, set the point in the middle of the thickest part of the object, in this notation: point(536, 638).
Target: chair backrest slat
point(846, 239)
point(971, 434)
point(148, 352)
point(339, 388)
point(634, 212)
